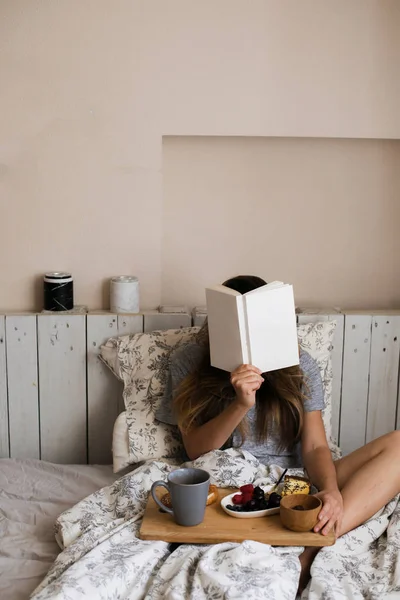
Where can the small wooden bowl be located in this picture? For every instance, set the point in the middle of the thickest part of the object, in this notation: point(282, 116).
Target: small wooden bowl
point(300, 520)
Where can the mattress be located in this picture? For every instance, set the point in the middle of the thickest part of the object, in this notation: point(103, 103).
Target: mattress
point(32, 494)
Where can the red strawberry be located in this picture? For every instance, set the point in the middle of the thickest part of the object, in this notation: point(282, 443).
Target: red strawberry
point(237, 499)
point(247, 489)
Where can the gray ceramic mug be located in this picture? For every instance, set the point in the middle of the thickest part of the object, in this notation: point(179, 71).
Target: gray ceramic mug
point(189, 490)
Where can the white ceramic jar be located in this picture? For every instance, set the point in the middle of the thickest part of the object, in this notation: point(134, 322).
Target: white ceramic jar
point(124, 294)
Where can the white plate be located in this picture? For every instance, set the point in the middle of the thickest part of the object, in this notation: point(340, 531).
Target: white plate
point(249, 514)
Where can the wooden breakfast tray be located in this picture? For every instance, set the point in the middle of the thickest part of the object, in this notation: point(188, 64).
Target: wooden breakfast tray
point(219, 527)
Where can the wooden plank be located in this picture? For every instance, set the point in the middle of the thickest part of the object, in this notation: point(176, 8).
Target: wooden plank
point(199, 315)
point(62, 385)
point(130, 324)
point(337, 360)
point(198, 320)
point(378, 312)
point(398, 399)
point(355, 380)
point(333, 310)
point(4, 436)
point(103, 389)
point(218, 527)
point(22, 375)
point(384, 373)
point(154, 321)
point(337, 369)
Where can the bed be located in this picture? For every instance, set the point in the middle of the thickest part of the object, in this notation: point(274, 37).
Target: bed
point(61, 408)
point(32, 495)
point(103, 557)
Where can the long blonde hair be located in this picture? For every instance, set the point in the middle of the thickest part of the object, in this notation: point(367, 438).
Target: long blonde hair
point(207, 391)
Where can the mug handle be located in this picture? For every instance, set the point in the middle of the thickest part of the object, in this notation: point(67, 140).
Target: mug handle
point(155, 485)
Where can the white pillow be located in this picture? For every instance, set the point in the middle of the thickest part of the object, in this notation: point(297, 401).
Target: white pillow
point(120, 444)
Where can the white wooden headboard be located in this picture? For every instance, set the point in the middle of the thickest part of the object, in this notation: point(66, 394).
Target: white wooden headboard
point(58, 402)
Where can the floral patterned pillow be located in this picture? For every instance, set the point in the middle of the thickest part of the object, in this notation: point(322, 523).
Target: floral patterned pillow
point(316, 339)
point(141, 361)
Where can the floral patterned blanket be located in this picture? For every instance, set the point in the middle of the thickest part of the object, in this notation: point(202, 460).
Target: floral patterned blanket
point(103, 558)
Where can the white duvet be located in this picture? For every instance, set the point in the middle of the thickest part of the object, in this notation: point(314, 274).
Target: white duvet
point(103, 557)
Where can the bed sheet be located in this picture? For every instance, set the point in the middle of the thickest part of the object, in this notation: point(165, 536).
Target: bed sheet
point(32, 495)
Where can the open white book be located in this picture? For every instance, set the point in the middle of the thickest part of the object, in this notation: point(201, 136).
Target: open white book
point(257, 328)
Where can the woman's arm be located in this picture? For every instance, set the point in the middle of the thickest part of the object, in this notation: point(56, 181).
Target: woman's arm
point(213, 434)
point(318, 462)
point(246, 380)
point(316, 454)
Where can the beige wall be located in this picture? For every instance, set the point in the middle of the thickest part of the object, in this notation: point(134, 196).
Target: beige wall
point(89, 87)
point(322, 214)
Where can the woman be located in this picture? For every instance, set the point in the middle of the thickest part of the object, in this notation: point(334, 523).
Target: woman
point(277, 417)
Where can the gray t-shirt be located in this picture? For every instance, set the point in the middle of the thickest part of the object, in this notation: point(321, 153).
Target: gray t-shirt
point(186, 360)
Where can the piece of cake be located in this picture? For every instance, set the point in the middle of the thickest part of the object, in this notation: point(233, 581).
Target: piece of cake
point(295, 485)
point(211, 498)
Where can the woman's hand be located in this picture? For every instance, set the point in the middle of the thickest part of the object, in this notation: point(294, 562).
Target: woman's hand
point(331, 512)
point(246, 380)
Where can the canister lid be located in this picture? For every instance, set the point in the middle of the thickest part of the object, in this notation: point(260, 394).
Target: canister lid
point(57, 277)
point(124, 279)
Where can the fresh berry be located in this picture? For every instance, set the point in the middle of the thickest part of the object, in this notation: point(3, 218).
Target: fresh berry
point(298, 507)
point(253, 498)
point(275, 496)
point(247, 489)
point(274, 500)
point(234, 508)
point(237, 499)
point(258, 493)
point(246, 498)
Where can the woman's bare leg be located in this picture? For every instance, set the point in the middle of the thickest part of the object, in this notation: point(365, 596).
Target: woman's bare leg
point(368, 478)
point(306, 560)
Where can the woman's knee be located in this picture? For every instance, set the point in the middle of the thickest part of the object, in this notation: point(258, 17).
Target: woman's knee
point(346, 466)
point(392, 441)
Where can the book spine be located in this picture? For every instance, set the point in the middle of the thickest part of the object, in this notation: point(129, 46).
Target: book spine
point(244, 330)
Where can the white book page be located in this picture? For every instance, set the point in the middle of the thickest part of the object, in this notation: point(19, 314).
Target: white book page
point(272, 329)
point(226, 328)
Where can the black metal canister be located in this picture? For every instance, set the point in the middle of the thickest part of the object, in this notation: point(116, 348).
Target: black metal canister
point(58, 291)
